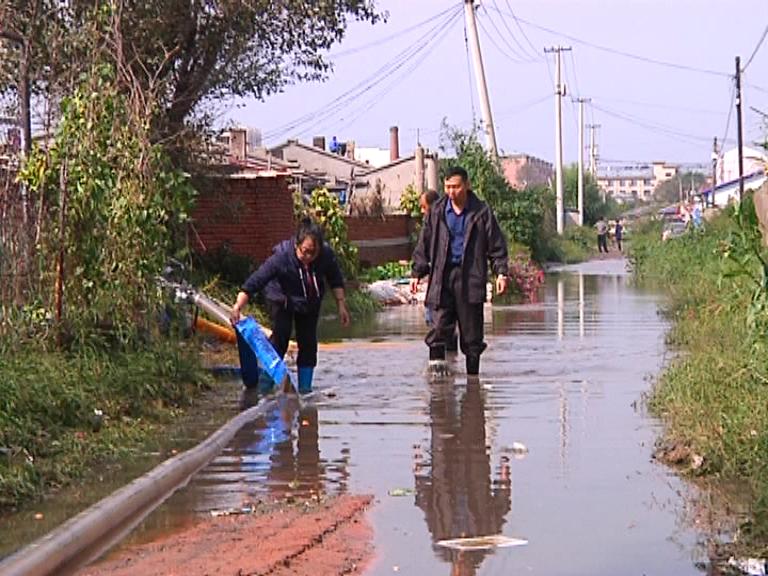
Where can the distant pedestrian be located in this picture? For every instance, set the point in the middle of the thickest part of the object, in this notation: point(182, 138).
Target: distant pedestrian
point(619, 233)
point(602, 235)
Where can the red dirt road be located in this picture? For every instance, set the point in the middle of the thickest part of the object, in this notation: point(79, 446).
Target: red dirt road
point(322, 539)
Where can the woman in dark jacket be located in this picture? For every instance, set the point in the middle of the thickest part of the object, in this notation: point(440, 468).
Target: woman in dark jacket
point(293, 283)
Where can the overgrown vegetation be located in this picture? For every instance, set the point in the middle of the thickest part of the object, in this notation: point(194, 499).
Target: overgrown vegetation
point(714, 396)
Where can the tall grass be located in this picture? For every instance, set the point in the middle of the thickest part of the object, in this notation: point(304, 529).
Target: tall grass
point(714, 396)
point(61, 414)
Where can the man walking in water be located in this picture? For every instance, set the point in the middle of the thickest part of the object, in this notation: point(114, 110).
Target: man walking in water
point(459, 236)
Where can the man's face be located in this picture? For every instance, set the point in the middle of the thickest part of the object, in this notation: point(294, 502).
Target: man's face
point(456, 188)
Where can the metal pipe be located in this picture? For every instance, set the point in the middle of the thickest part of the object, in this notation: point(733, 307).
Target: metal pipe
point(89, 534)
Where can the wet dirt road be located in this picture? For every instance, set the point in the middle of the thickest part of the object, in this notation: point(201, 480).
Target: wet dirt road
point(564, 377)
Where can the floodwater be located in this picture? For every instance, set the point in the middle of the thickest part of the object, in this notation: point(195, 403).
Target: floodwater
point(564, 377)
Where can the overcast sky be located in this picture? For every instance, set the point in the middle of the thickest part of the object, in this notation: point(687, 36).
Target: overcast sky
point(647, 110)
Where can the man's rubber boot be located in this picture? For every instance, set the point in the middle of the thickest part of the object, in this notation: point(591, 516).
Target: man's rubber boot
point(473, 365)
point(305, 379)
point(437, 365)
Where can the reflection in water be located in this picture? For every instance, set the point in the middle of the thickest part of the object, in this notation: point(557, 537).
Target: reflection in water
point(455, 489)
point(283, 453)
point(581, 305)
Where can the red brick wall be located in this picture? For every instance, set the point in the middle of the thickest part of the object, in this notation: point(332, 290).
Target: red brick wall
point(250, 215)
point(381, 240)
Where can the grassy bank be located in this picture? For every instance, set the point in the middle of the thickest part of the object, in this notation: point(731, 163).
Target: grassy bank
point(61, 415)
point(714, 397)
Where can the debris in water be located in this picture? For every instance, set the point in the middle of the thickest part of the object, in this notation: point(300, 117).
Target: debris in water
point(233, 511)
point(401, 492)
point(482, 542)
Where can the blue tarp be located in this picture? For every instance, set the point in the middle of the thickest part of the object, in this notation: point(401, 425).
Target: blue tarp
point(257, 354)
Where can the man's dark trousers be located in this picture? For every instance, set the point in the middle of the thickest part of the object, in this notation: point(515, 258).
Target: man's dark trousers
point(455, 307)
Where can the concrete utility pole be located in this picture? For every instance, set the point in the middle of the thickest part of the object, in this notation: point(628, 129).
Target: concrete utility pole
point(593, 155)
point(714, 174)
point(559, 93)
point(482, 88)
point(739, 129)
point(581, 102)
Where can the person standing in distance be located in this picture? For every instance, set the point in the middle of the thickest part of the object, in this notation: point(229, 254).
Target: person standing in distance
point(293, 282)
point(459, 237)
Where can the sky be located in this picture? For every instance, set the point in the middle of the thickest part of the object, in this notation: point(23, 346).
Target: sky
point(659, 73)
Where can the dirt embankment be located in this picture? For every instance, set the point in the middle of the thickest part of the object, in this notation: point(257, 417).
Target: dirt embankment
point(327, 538)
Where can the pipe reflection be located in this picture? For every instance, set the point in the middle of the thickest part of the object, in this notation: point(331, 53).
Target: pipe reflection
point(455, 487)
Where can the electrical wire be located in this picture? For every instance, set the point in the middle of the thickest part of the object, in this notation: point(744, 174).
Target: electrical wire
point(515, 59)
point(757, 48)
point(730, 111)
point(616, 52)
point(657, 105)
point(396, 82)
point(526, 54)
point(668, 131)
point(366, 85)
point(393, 36)
point(520, 59)
point(535, 51)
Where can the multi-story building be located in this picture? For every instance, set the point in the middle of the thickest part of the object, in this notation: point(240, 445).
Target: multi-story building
point(634, 182)
point(523, 171)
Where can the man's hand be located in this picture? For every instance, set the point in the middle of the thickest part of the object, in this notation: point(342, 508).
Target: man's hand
point(414, 285)
point(343, 313)
point(501, 284)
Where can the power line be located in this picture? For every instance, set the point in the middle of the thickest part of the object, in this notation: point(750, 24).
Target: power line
point(526, 54)
point(730, 112)
point(668, 131)
point(366, 85)
point(393, 36)
point(396, 81)
point(657, 105)
point(754, 52)
point(517, 22)
point(617, 52)
point(517, 59)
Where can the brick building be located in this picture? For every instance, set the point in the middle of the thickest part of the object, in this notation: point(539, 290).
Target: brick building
point(246, 213)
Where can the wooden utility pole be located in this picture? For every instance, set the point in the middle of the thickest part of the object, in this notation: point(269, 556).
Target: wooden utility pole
point(559, 93)
point(740, 143)
point(482, 88)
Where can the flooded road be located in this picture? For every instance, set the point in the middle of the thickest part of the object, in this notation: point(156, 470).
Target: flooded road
point(564, 377)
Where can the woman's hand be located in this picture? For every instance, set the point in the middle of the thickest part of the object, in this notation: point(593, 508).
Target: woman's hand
point(234, 317)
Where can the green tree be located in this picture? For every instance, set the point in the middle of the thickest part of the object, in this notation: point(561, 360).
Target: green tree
point(678, 187)
point(107, 203)
point(199, 51)
point(594, 207)
point(520, 213)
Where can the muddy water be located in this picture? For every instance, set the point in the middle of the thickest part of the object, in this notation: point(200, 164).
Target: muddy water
point(564, 377)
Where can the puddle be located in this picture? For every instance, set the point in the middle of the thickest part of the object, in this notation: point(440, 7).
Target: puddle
point(548, 447)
